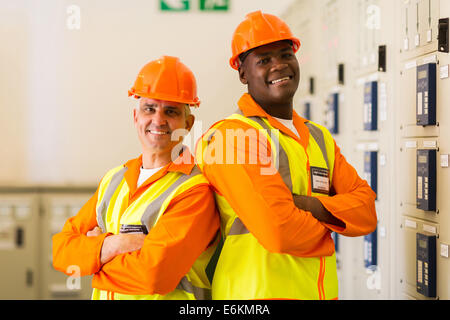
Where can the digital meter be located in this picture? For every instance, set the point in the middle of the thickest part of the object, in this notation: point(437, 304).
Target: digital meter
point(370, 106)
point(370, 169)
point(426, 94)
point(426, 179)
point(426, 264)
point(332, 114)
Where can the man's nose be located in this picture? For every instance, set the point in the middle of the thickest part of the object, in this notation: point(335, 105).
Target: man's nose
point(278, 64)
point(159, 118)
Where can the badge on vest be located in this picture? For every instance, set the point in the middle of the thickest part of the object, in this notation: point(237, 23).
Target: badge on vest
point(320, 181)
point(133, 228)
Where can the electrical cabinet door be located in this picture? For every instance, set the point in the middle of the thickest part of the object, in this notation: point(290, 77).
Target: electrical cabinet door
point(19, 218)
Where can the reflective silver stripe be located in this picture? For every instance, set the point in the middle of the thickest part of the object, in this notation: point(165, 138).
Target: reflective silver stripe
point(238, 228)
point(151, 212)
point(320, 140)
point(199, 293)
point(282, 161)
point(103, 207)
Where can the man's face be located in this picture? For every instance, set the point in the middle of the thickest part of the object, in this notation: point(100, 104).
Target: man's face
point(159, 124)
point(271, 72)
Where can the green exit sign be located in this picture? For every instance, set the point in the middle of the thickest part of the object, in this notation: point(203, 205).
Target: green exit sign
point(214, 5)
point(174, 5)
point(185, 5)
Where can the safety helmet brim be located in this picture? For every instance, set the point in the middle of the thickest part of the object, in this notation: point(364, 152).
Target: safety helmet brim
point(235, 61)
point(138, 95)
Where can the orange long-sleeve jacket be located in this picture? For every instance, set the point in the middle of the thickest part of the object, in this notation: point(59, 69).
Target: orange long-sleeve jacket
point(265, 204)
point(183, 232)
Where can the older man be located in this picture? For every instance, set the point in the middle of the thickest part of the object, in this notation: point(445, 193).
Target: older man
point(150, 229)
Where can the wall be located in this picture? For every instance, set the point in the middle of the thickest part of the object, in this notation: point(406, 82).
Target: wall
point(66, 117)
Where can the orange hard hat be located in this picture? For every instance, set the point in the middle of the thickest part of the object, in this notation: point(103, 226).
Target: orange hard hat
point(259, 29)
point(166, 79)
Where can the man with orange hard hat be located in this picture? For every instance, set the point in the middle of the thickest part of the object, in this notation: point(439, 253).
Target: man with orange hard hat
point(284, 186)
point(149, 231)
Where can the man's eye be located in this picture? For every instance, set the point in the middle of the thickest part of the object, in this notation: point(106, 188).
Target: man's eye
point(263, 61)
point(171, 112)
point(288, 55)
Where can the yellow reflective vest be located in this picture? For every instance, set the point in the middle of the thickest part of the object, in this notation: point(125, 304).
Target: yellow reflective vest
point(116, 216)
point(245, 269)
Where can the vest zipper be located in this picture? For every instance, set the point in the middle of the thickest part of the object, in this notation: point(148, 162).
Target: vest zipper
point(309, 180)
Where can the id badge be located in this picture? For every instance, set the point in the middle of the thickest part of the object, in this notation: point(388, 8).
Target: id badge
point(133, 228)
point(320, 181)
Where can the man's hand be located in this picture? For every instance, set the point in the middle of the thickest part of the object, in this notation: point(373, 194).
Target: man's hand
point(94, 232)
point(114, 245)
point(318, 211)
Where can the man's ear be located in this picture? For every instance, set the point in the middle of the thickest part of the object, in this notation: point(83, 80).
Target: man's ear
point(242, 75)
point(134, 116)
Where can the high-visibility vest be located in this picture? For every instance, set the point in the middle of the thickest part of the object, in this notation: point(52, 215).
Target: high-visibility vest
point(115, 215)
point(245, 269)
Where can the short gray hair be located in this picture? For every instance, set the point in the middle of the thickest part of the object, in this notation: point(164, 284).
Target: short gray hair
point(187, 110)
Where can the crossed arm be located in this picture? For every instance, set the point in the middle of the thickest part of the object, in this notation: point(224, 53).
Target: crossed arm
point(318, 211)
point(351, 209)
point(113, 245)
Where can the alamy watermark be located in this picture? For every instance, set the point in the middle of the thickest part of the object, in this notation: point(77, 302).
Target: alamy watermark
point(73, 21)
point(236, 146)
point(73, 281)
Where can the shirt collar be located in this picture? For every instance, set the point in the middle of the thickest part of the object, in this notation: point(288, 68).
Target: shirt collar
point(250, 108)
point(184, 163)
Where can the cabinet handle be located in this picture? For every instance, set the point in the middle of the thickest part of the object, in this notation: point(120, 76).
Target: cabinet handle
point(19, 237)
point(29, 278)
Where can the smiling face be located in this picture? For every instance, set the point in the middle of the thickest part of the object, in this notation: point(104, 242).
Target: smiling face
point(158, 124)
point(272, 74)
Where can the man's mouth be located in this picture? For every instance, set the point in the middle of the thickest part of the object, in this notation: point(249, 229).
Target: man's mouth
point(157, 132)
point(280, 80)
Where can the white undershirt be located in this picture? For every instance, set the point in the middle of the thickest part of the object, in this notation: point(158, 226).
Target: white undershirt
point(288, 124)
point(145, 174)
